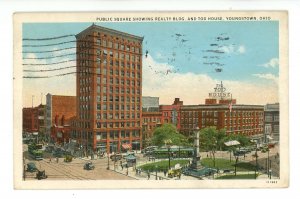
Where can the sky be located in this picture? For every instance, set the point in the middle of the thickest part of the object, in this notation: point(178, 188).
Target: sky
point(184, 59)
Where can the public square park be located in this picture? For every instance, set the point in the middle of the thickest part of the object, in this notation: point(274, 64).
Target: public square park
point(196, 161)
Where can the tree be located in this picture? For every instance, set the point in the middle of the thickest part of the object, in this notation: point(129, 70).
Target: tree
point(168, 132)
point(243, 140)
point(212, 140)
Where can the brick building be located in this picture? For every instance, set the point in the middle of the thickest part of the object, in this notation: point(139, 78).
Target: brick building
point(30, 120)
point(108, 90)
point(272, 127)
point(60, 110)
point(245, 119)
point(151, 120)
point(171, 113)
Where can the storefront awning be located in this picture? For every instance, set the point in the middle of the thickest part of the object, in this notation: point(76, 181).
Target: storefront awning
point(126, 146)
point(232, 143)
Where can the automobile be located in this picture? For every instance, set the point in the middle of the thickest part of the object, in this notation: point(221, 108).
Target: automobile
point(49, 149)
point(116, 157)
point(41, 175)
point(88, 166)
point(31, 167)
point(174, 173)
point(58, 153)
point(68, 158)
point(226, 171)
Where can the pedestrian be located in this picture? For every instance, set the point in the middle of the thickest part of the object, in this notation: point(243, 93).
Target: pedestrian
point(165, 172)
point(56, 159)
point(207, 155)
point(179, 176)
point(122, 167)
point(148, 175)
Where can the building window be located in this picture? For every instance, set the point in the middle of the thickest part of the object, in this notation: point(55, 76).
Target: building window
point(104, 43)
point(268, 118)
point(104, 98)
point(98, 42)
point(98, 71)
point(98, 98)
point(110, 44)
point(98, 116)
point(98, 124)
point(276, 118)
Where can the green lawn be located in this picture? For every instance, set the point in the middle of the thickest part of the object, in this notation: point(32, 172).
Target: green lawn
point(162, 165)
point(226, 164)
point(241, 177)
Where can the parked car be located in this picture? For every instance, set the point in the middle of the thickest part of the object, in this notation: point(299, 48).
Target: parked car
point(31, 167)
point(41, 175)
point(68, 158)
point(88, 166)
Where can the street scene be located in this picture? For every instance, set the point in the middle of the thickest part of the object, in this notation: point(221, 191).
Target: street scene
point(184, 101)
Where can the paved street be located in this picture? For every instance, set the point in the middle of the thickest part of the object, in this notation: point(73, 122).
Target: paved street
point(74, 170)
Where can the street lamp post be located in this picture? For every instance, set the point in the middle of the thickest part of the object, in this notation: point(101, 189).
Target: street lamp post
point(169, 157)
point(270, 169)
point(255, 162)
point(107, 161)
point(168, 143)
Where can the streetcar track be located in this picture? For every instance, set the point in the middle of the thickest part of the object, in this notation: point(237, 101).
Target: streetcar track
point(67, 173)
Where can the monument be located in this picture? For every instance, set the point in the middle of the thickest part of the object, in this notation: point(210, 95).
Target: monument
point(196, 164)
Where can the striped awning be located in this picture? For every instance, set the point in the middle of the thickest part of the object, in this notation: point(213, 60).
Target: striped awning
point(126, 146)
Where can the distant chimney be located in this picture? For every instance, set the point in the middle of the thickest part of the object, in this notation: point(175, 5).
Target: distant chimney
point(177, 102)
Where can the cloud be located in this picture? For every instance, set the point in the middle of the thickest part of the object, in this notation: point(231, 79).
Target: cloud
point(241, 49)
point(194, 88)
point(267, 76)
point(274, 62)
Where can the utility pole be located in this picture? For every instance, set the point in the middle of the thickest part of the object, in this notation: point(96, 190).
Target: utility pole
point(32, 97)
point(41, 98)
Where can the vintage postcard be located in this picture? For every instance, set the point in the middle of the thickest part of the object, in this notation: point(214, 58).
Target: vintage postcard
point(151, 100)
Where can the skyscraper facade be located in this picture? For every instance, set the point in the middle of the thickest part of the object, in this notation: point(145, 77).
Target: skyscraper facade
point(108, 90)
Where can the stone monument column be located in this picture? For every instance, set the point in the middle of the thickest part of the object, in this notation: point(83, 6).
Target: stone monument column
point(196, 159)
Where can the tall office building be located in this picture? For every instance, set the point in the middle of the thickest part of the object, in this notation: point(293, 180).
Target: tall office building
point(108, 90)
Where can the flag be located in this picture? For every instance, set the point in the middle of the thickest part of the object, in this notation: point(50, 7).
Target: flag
point(230, 107)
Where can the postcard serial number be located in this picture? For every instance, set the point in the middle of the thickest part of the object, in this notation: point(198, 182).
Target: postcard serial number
point(271, 182)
